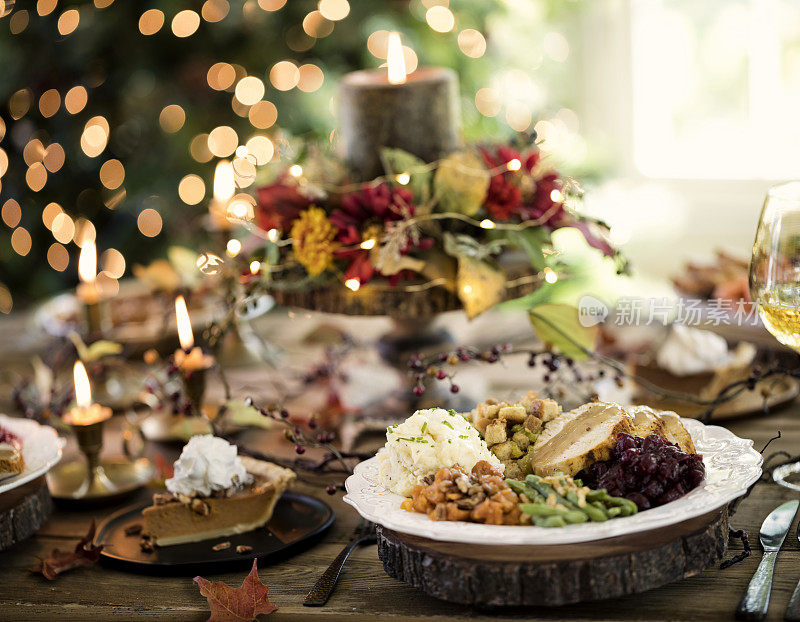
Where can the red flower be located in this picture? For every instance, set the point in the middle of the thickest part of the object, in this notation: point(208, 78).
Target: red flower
point(541, 205)
point(364, 210)
point(503, 197)
point(279, 205)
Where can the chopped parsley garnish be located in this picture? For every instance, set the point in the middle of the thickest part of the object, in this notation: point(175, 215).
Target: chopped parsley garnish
point(424, 427)
point(463, 436)
point(448, 424)
point(452, 412)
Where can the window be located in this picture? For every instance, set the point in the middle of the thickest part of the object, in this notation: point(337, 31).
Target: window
point(716, 88)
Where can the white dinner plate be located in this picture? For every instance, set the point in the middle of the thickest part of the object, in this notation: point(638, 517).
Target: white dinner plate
point(41, 450)
point(732, 466)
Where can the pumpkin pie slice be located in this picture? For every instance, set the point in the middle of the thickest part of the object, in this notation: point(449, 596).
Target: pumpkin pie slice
point(177, 519)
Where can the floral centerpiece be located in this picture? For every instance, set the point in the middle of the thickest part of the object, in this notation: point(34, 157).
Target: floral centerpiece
point(475, 225)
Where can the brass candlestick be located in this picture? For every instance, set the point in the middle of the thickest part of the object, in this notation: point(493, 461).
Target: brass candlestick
point(98, 480)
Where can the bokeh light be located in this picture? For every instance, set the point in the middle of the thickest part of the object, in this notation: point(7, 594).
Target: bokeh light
point(149, 222)
point(75, 99)
point(185, 23)
point(21, 241)
point(113, 263)
point(49, 214)
point(440, 18)
point(11, 213)
point(334, 10)
point(68, 21)
point(58, 257)
point(271, 5)
point(215, 10)
point(315, 25)
point(261, 148)
point(249, 90)
point(222, 141)
point(311, 78)
point(263, 114)
point(472, 43)
point(151, 22)
point(63, 228)
point(54, 157)
point(172, 118)
point(192, 189)
point(49, 103)
point(198, 148)
point(112, 174)
point(284, 75)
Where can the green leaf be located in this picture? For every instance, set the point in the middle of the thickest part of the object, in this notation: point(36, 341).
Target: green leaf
point(559, 326)
point(531, 241)
point(460, 245)
point(397, 161)
point(461, 183)
point(480, 286)
point(241, 415)
point(94, 351)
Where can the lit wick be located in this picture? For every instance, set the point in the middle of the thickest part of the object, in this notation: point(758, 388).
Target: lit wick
point(85, 412)
point(188, 357)
point(395, 61)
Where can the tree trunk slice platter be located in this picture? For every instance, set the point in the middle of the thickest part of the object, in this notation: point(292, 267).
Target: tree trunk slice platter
point(555, 575)
point(23, 511)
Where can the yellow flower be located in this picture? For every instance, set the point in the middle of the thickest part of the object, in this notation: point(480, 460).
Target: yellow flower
point(313, 240)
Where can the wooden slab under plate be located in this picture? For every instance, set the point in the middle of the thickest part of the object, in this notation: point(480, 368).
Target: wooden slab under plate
point(509, 575)
point(298, 520)
point(23, 511)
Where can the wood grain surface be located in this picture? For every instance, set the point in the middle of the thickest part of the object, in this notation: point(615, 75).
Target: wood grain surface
point(364, 589)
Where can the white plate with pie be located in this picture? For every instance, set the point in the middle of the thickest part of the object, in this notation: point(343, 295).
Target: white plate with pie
point(41, 450)
point(732, 466)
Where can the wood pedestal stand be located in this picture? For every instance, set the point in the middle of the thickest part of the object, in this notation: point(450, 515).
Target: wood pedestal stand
point(498, 575)
point(23, 511)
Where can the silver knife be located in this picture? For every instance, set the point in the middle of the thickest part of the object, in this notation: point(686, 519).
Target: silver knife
point(755, 601)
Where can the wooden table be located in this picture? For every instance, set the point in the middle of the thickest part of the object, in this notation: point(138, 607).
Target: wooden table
point(101, 593)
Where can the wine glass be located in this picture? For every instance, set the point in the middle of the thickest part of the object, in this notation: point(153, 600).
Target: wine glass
point(775, 265)
point(775, 279)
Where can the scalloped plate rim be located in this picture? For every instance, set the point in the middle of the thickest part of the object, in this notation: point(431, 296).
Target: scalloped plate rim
point(54, 451)
point(697, 502)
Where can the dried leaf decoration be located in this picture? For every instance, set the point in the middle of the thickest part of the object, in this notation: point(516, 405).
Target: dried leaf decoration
point(237, 604)
point(460, 183)
point(480, 285)
point(85, 554)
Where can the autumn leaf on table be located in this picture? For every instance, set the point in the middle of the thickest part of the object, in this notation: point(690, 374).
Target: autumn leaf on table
point(85, 554)
point(237, 604)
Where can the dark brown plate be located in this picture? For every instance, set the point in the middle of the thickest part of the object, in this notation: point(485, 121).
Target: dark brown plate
point(297, 521)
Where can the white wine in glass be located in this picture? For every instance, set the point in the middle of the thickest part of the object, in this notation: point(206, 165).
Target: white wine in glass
point(775, 265)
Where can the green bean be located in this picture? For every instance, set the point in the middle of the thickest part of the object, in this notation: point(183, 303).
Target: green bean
point(540, 509)
point(594, 514)
point(575, 516)
point(615, 511)
point(521, 488)
point(554, 521)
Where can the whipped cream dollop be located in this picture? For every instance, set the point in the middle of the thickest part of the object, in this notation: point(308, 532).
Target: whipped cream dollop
point(689, 351)
point(208, 464)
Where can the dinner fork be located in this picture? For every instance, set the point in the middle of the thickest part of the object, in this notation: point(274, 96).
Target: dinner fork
point(364, 534)
point(793, 609)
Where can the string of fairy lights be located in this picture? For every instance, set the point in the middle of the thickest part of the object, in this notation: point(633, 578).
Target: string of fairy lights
point(237, 154)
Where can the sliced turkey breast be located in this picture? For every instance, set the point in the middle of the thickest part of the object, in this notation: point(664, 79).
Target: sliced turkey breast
point(580, 437)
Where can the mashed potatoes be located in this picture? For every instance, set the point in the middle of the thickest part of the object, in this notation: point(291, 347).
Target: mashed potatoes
point(424, 443)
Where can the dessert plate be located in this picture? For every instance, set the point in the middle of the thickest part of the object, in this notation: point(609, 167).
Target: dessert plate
point(297, 520)
point(732, 466)
point(41, 450)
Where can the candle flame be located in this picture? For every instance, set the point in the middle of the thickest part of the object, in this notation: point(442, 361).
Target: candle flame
point(185, 335)
point(83, 392)
point(224, 182)
point(395, 62)
point(87, 262)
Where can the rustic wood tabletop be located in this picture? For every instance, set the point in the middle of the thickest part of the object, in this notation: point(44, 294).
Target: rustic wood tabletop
point(103, 593)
